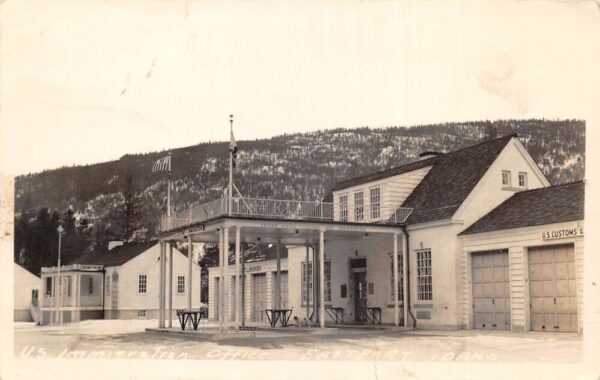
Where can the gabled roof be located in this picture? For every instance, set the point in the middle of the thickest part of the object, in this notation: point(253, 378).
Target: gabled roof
point(116, 256)
point(385, 173)
point(451, 180)
point(555, 204)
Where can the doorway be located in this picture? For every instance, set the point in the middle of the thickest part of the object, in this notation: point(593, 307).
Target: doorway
point(360, 296)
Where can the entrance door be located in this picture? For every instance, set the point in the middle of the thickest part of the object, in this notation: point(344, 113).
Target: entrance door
point(491, 296)
point(553, 288)
point(259, 297)
point(360, 296)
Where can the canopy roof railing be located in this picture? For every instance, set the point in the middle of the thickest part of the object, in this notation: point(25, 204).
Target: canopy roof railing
point(279, 209)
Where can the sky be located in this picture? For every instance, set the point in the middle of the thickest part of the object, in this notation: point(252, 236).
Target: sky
point(87, 82)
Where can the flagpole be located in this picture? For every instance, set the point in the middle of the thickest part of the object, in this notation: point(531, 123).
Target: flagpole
point(230, 189)
point(169, 189)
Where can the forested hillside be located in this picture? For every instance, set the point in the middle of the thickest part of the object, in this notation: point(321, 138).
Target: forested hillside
point(123, 199)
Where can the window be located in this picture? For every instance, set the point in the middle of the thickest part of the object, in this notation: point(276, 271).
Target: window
point(310, 283)
point(375, 203)
point(400, 279)
point(327, 271)
point(359, 202)
point(505, 178)
point(180, 284)
point(343, 291)
point(343, 208)
point(141, 313)
point(522, 179)
point(424, 290)
point(34, 297)
point(142, 280)
point(107, 285)
point(90, 285)
point(49, 286)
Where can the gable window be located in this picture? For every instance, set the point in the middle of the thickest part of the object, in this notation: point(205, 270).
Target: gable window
point(142, 282)
point(90, 285)
point(307, 295)
point(180, 284)
point(327, 270)
point(522, 179)
point(505, 178)
point(359, 203)
point(400, 291)
point(375, 203)
point(343, 208)
point(424, 289)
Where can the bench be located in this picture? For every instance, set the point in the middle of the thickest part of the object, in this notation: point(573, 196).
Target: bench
point(278, 315)
point(194, 315)
point(374, 315)
point(335, 313)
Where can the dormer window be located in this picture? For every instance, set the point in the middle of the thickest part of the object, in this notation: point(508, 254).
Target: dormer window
point(375, 203)
point(343, 208)
point(359, 209)
point(523, 180)
point(506, 178)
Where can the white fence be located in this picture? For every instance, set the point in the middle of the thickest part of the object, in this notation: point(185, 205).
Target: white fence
point(266, 208)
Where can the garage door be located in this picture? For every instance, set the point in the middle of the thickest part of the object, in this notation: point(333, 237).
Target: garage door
point(491, 297)
point(259, 297)
point(553, 288)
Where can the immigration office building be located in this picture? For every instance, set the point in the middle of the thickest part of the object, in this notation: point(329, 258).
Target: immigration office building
point(472, 239)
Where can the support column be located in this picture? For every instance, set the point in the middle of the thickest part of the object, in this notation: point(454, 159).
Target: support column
point(405, 278)
point(243, 285)
point(221, 275)
point(315, 272)
point(226, 278)
point(189, 270)
point(322, 278)
point(278, 276)
point(161, 309)
point(306, 280)
point(170, 315)
point(237, 277)
point(395, 269)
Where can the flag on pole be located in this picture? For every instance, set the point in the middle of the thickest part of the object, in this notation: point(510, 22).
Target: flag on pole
point(233, 148)
point(162, 165)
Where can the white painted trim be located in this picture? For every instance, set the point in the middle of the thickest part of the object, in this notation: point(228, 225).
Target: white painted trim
point(536, 170)
point(435, 223)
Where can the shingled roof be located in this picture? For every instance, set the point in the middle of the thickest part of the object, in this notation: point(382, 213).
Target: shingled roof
point(555, 204)
point(116, 256)
point(451, 179)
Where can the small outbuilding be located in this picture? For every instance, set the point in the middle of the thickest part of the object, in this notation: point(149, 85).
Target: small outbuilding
point(26, 291)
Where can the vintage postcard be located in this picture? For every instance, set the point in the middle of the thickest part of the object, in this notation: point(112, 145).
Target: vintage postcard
point(332, 190)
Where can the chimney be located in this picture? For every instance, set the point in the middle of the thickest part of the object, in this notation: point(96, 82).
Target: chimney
point(429, 154)
point(114, 243)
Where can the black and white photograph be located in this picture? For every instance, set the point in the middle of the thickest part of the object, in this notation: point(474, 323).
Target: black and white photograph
point(299, 190)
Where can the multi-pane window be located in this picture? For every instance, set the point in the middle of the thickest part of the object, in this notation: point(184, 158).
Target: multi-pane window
point(343, 208)
point(522, 179)
point(90, 285)
point(327, 270)
point(180, 284)
point(307, 295)
point(424, 290)
point(142, 282)
point(359, 203)
point(141, 313)
point(108, 285)
point(400, 279)
point(505, 178)
point(375, 203)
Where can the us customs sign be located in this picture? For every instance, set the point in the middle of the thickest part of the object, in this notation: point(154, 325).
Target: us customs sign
point(562, 233)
